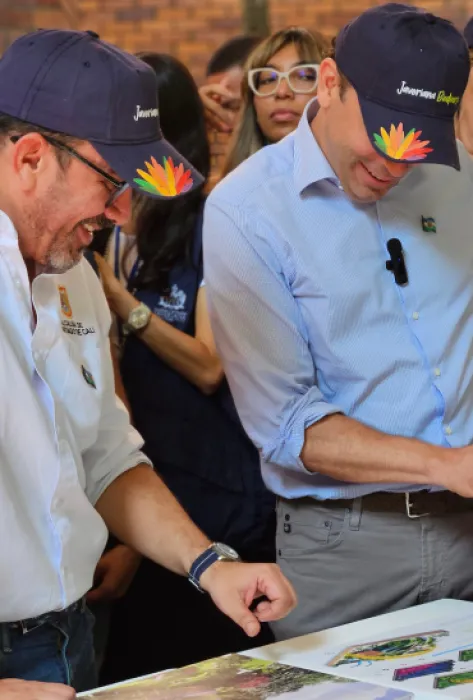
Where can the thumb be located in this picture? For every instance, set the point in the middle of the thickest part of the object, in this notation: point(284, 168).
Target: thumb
point(240, 613)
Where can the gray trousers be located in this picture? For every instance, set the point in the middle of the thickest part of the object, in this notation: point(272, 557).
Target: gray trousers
point(349, 560)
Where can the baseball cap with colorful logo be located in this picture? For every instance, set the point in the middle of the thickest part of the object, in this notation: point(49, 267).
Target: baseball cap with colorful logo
point(409, 69)
point(74, 83)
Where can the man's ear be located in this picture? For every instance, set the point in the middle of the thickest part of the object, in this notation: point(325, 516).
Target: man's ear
point(31, 158)
point(328, 82)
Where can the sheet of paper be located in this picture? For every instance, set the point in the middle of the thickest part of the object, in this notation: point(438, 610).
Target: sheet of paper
point(436, 658)
point(238, 677)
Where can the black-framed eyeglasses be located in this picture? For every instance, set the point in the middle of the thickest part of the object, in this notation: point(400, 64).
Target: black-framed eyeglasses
point(120, 185)
point(302, 79)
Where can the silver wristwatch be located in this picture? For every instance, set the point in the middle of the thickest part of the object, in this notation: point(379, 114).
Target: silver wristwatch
point(138, 319)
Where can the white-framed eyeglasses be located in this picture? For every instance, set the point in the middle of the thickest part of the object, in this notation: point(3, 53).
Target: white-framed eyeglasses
point(301, 79)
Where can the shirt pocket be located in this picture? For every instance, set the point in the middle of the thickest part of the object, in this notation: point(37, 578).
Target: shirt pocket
point(82, 391)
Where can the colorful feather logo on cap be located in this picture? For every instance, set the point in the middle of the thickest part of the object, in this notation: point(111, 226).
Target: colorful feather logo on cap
point(168, 180)
point(400, 146)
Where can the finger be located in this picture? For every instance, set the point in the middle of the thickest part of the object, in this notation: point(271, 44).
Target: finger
point(43, 691)
point(281, 597)
point(239, 612)
point(218, 125)
point(57, 691)
point(102, 592)
point(217, 90)
point(226, 116)
point(262, 609)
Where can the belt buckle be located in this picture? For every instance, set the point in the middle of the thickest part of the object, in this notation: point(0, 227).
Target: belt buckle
point(409, 505)
point(27, 626)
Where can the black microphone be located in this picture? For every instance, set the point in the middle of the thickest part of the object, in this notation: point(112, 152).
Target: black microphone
point(397, 263)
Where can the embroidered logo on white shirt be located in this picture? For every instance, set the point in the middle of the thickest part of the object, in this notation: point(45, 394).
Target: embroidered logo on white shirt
point(65, 304)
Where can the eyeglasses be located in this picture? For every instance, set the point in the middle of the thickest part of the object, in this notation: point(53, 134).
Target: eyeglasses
point(301, 79)
point(120, 185)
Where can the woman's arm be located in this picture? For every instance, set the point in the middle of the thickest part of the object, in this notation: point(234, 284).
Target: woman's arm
point(194, 357)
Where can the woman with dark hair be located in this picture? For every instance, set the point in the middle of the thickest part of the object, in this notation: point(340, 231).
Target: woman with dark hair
point(180, 403)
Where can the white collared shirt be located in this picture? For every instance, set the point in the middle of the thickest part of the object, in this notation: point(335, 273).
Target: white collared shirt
point(64, 435)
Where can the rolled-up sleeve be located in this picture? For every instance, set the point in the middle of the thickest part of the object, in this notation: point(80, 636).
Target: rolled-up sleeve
point(260, 334)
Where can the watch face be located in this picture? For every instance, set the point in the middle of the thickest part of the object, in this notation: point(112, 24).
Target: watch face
point(224, 550)
point(139, 317)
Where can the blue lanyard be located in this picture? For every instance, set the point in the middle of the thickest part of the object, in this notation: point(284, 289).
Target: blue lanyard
point(116, 261)
point(116, 270)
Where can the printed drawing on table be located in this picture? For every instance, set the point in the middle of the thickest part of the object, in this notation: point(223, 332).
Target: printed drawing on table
point(237, 677)
point(390, 649)
point(453, 680)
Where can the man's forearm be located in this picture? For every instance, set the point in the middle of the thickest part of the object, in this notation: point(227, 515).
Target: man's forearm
point(141, 511)
point(347, 450)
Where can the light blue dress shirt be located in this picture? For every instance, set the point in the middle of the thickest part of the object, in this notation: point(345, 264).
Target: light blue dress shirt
point(309, 322)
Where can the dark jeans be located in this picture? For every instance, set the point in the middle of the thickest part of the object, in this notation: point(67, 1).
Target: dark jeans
point(60, 650)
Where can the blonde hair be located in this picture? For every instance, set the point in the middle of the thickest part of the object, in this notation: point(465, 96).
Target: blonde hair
point(248, 137)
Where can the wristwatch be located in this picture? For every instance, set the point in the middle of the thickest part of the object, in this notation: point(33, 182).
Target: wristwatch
point(138, 319)
point(216, 552)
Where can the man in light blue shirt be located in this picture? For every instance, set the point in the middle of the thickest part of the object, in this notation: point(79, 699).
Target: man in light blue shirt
point(354, 377)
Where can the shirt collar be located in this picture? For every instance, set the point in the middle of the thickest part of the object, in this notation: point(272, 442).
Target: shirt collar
point(7, 230)
point(310, 164)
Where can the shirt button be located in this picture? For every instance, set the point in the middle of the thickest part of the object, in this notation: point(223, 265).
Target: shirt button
point(17, 282)
point(415, 315)
point(437, 372)
point(448, 430)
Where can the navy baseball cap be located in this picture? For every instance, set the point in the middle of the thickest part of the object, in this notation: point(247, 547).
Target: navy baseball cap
point(74, 83)
point(409, 69)
point(468, 33)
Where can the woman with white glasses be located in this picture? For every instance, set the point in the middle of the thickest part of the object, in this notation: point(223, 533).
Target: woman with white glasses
point(280, 79)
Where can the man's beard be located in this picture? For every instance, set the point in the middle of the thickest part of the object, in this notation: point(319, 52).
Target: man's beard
point(62, 253)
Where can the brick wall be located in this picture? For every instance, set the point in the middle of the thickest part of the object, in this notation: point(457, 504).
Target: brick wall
point(190, 29)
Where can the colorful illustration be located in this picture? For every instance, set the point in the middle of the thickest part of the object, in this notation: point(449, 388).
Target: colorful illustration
point(389, 649)
point(405, 674)
point(167, 180)
point(400, 146)
point(442, 682)
point(466, 655)
point(238, 677)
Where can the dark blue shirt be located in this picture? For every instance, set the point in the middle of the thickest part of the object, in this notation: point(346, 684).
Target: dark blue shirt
point(197, 442)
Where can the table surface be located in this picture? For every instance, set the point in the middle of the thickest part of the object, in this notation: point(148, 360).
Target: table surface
point(299, 651)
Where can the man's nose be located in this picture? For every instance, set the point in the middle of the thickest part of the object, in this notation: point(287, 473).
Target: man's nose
point(120, 210)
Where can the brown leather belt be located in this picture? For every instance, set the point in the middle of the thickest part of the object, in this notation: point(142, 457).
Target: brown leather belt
point(416, 504)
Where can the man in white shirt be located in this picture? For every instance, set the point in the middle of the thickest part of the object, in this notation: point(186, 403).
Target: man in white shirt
point(74, 112)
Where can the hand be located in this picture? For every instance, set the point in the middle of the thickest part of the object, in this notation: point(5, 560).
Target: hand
point(233, 586)
point(220, 105)
point(114, 574)
point(13, 689)
point(111, 286)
